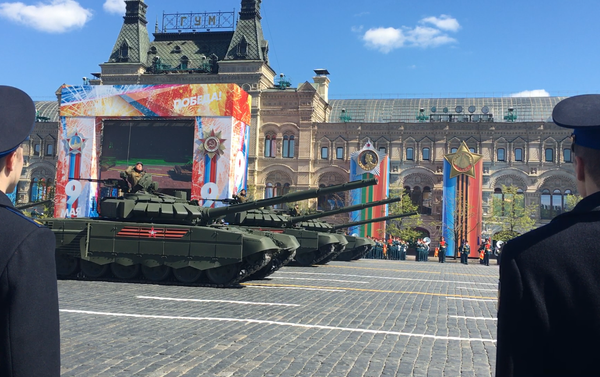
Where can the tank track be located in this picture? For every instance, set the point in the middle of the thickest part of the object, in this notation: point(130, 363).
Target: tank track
point(318, 255)
point(246, 270)
point(278, 261)
point(339, 249)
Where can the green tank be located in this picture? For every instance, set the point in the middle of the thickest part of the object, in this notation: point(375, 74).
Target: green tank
point(155, 235)
point(355, 245)
point(315, 245)
point(358, 253)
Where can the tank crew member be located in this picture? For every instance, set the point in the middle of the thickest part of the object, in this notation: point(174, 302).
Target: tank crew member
point(29, 319)
point(295, 211)
point(549, 296)
point(133, 174)
point(240, 197)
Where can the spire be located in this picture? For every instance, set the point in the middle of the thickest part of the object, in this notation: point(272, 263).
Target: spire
point(133, 42)
point(248, 42)
point(250, 10)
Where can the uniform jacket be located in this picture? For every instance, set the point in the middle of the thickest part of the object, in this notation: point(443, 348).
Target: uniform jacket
point(29, 321)
point(549, 309)
point(133, 176)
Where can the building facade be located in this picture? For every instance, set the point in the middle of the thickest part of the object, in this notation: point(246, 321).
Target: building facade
point(301, 139)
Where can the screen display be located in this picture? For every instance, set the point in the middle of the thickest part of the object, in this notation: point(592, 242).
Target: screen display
point(165, 148)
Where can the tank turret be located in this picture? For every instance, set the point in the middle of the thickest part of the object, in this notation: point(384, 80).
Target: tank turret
point(358, 207)
point(376, 220)
point(151, 206)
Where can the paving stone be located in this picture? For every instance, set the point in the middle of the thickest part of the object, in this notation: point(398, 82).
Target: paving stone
point(379, 322)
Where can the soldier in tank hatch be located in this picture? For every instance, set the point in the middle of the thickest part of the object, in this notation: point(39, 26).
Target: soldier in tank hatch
point(138, 179)
point(549, 301)
point(29, 319)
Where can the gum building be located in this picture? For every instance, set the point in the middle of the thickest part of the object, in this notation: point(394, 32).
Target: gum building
point(301, 139)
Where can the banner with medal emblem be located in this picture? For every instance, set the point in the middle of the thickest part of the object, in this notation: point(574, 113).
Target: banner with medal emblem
point(462, 211)
point(191, 138)
point(364, 164)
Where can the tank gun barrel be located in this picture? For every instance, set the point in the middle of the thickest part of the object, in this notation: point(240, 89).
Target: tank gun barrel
point(287, 198)
point(376, 220)
point(297, 219)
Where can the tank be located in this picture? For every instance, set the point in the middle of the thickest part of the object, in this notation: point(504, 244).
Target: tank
point(315, 245)
point(362, 245)
point(354, 245)
point(153, 234)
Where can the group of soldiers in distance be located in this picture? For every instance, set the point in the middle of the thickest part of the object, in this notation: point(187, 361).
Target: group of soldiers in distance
point(396, 249)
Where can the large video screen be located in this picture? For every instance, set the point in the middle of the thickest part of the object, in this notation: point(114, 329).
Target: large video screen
point(165, 147)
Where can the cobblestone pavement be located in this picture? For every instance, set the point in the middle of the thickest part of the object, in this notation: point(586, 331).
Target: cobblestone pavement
point(357, 319)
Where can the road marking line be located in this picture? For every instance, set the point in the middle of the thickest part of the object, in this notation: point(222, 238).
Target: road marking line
point(399, 270)
point(468, 298)
point(313, 279)
point(289, 324)
point(363, 290)
point(478, 289)
point(222, 301)
point(465, 317)
point(384, 277)
point(249, 285)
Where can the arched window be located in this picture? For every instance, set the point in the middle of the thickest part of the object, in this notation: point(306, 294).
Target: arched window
point(416, 196)
point(546, 205)
point(124, 52)
point(426, 201)
point(269, 191)
point(324, 153)
point(288, 146)
point(184, 62)
point(567, 155)
point(557, 202)
point(549, 155)
point(426, 154)
point(322, 200)
point(500, 154)
point(518, 154)
point(34, 190)
point(270, 145)
point(277, 192)
point(566, 205)
point(410, 154)
point(50, 149)
point(339, 153)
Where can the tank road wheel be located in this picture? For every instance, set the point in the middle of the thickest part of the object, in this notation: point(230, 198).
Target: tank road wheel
point(93, 270)
point(66, 265)
point(187, 275)
point(125, 272)
point(305, 259)
point(223, 275)
point(158, 273)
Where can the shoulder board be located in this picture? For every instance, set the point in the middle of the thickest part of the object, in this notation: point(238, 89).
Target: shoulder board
point(18, 213)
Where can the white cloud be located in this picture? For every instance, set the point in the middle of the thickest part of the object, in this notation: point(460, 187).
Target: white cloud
point(386, 39)
point(114, 6)
point(58, 16)
point(444, 22)
point(531, 93)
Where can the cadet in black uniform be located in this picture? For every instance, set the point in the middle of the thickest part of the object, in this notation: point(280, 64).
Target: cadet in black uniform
point(550, 277)
point(29, 325)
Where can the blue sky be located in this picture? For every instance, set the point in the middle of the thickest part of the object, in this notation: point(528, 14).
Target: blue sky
point(372, 48)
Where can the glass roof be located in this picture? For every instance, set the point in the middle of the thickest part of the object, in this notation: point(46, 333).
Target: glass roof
point(525, 109)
